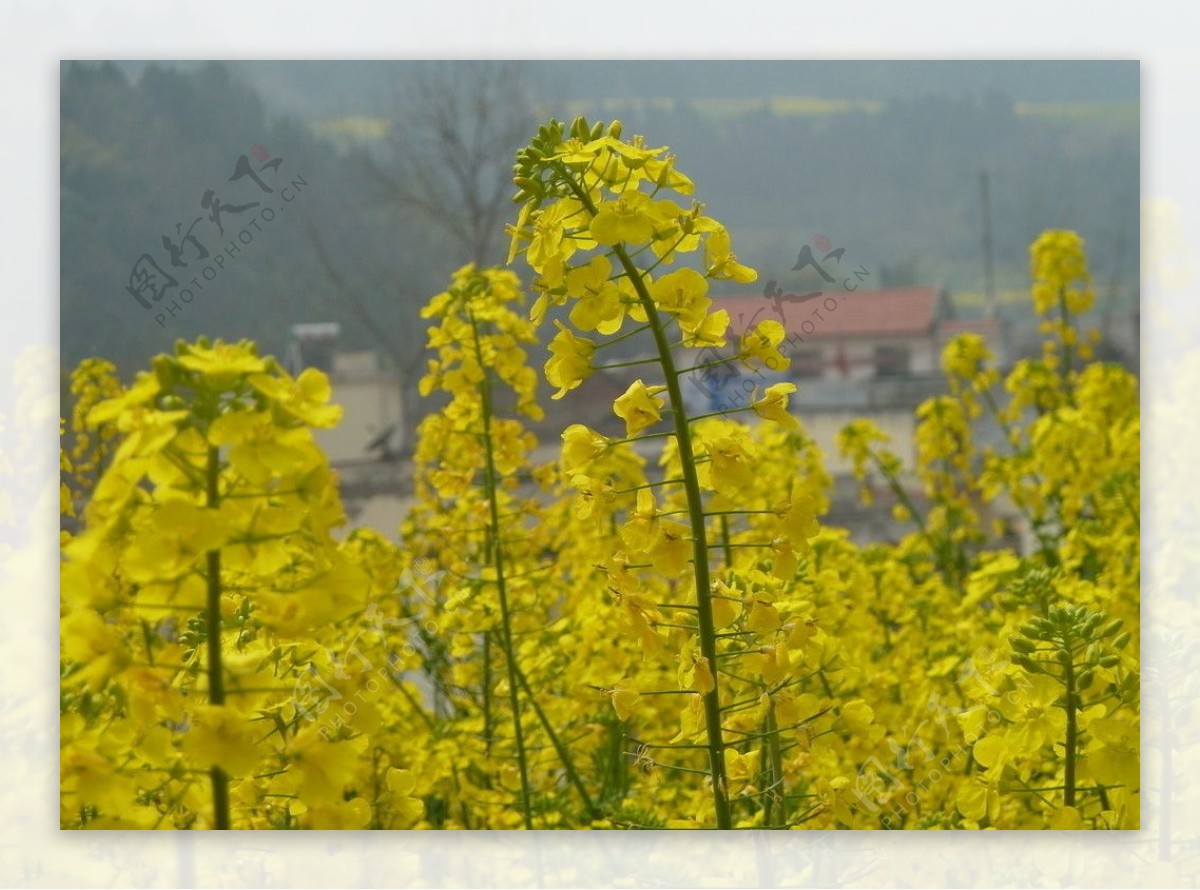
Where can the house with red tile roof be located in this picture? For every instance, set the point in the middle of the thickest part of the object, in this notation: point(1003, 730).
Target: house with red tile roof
point(872, 354)
point(861, 335)
point(853, 353)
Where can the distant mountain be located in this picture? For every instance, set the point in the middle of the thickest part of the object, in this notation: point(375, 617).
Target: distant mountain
point(331, 88)
point(883, 159)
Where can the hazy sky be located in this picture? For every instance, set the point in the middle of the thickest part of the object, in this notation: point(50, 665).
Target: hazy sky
point(323, 88)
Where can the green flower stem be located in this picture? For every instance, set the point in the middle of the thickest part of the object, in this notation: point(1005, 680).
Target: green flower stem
point(414, 704)
point(1068, 358)
point(497, 554)
point(634, 488)
point(670, 253)
point(721, 413)
point(487, 694)
point(720, 512)
point(376, 824)
point(561, 750)
point(774, 756)
point(629, 364)
point(643, 437)
point(691, 485)
point(714, 363)
point(612, 341)
point(1072, 735)
point(1006, 427)
point(1093, 789)
point(902, 496)
point(724, 521)
point(216, 679)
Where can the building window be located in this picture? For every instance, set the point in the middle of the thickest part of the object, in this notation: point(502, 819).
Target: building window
point(891, 361)
point(312, 346)
point(807, 363)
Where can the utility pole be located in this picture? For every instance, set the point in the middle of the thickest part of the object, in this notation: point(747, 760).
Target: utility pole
point(1114, 287)
point(989, 278)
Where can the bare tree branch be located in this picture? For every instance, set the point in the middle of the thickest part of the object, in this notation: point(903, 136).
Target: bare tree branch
point(358, 306)
point(457, 128)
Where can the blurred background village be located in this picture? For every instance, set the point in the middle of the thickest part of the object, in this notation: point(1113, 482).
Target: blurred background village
point(316, 206)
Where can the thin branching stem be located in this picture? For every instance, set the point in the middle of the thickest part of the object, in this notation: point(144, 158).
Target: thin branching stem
point(216, 679)
point(497, 554)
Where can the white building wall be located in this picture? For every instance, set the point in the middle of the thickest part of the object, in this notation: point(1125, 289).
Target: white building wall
point(824, 425)
point(860, 355)
point(371, 400)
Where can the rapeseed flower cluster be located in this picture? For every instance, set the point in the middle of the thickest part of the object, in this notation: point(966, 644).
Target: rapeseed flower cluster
point(656, 630)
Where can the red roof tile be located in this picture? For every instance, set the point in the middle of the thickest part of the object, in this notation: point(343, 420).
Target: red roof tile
point(898, 312)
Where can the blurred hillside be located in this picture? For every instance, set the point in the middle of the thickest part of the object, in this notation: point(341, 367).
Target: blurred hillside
point(884, 158)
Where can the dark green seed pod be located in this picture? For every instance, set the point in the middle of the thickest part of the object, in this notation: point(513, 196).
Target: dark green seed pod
point(1021, 644)
point(1022, 660)
point(166, 369)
